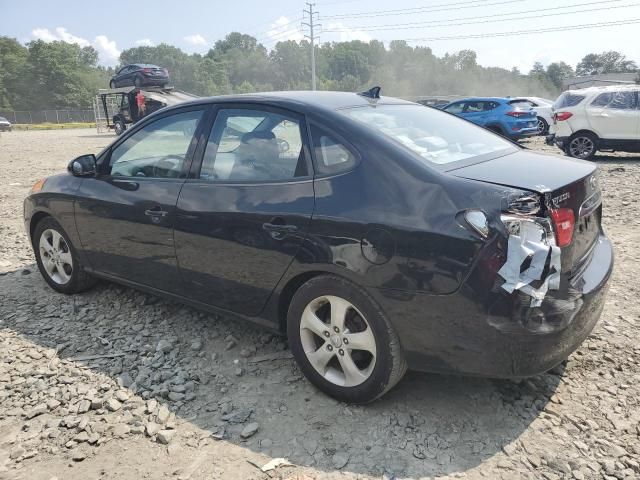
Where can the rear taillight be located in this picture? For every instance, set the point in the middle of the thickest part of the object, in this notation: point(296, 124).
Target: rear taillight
point(564, 222)
point(562, 116)
point(518, 114)
point(147, 70)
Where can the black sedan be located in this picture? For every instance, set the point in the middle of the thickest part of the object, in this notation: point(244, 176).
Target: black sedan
point(377, 233)
point(140, 75)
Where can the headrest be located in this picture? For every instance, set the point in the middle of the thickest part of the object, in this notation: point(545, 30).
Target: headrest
point(261, 135)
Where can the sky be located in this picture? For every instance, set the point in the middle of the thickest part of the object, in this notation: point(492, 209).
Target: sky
point(194, 26)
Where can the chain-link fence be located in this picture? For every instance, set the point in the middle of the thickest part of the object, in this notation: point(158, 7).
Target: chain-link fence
point(49, 116)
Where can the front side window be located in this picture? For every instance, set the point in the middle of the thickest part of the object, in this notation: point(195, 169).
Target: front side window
point(157, 150)
point(434, 137)
point(254, 145)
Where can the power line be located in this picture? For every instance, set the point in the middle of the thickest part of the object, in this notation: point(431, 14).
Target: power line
point(411, 11)
point(631, 21)
point(445, 20)
point(438, 23)
point(268, 36)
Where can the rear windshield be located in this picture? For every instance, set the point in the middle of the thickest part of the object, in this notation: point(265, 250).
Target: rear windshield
point(521, 104)
point(568, 100)
point(436, 137)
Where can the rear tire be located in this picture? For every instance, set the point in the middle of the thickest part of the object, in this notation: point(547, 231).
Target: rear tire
point(582, 145)
point(57, 258)
point(119, 127)
point(328, 317)
point(543, 126)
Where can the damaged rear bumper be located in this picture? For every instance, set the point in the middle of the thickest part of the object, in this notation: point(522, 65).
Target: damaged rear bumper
point(495, 334)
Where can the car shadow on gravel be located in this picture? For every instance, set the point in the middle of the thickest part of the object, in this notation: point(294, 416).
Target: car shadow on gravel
point(221, 375)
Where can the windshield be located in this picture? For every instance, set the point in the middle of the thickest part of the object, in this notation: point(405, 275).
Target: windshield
point(568, 100)
point(435, 136)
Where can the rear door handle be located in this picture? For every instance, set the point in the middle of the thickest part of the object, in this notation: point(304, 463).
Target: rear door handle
point(156, 212)
point(278, 224)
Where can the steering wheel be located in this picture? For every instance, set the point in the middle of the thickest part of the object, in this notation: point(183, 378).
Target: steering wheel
point(283, 145)
point(166, 167)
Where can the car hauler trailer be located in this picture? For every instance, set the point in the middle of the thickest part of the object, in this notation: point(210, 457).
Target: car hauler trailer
point(116, 108)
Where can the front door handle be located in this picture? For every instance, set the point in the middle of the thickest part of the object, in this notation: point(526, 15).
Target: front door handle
point(156, 212)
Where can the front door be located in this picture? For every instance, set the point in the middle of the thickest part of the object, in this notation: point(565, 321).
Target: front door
point(125, 215)
point(242, 219)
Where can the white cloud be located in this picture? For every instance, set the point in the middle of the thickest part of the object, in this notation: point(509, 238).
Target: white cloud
point(347, 34)
point(107, 49)
point(284, 29)
point(144, 42)
point(59, 34)
point(196, 40)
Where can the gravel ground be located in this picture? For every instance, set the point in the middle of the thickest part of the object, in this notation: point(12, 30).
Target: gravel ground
point(182, 394)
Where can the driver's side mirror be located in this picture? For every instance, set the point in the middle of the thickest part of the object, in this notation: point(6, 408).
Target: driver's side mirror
point(83, 166)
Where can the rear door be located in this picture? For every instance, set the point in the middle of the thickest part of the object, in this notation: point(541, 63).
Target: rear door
point(125, 215)
point(479, 112)
point(615, 115)
point(243, 216)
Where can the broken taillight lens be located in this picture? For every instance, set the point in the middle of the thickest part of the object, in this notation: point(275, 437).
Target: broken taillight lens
point(564, 222)
point(562, 116)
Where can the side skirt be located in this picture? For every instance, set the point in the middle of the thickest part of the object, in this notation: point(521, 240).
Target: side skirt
point(269, 325)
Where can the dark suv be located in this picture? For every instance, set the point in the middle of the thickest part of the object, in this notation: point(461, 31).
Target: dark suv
point(140, 75)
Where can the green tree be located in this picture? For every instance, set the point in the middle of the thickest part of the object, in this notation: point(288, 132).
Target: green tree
point(605, 62)
point(557, 72)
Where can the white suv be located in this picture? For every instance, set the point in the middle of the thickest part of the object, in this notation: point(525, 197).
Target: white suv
point(597, 118)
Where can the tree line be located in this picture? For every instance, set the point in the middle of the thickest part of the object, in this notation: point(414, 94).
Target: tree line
point(42, 75)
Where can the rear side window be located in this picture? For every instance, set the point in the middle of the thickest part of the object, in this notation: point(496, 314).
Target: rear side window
point(455, 108)
point(568, 100)
point(616, 100)
point(332, 156)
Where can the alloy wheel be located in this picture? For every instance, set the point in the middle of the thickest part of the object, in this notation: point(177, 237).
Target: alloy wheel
point(581, 147)
point(541, 126)
point(338, 341)
point(56, 256)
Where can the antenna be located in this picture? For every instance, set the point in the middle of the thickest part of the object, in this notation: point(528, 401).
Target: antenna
point(373, 92)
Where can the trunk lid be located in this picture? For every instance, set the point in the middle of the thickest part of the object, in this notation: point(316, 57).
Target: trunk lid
point(561, 183)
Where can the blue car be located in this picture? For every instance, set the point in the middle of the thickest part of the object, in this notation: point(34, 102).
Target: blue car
point(511, 118)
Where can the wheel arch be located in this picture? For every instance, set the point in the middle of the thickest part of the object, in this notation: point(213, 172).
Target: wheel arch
point(291, 287)
point(35, 219)
point(583, 131)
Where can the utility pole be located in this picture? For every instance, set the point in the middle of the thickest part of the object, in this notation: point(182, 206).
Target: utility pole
point(312, 39)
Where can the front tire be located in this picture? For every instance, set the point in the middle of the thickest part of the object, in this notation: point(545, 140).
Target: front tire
point(57, 259)
point(582, 146)
point(138, 82)
point(112, 84)
point(342, 341)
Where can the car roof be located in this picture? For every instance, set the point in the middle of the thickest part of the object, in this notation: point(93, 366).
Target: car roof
point(483, 99)
point(321, 100)
point(141, 65)
point(601, 89)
